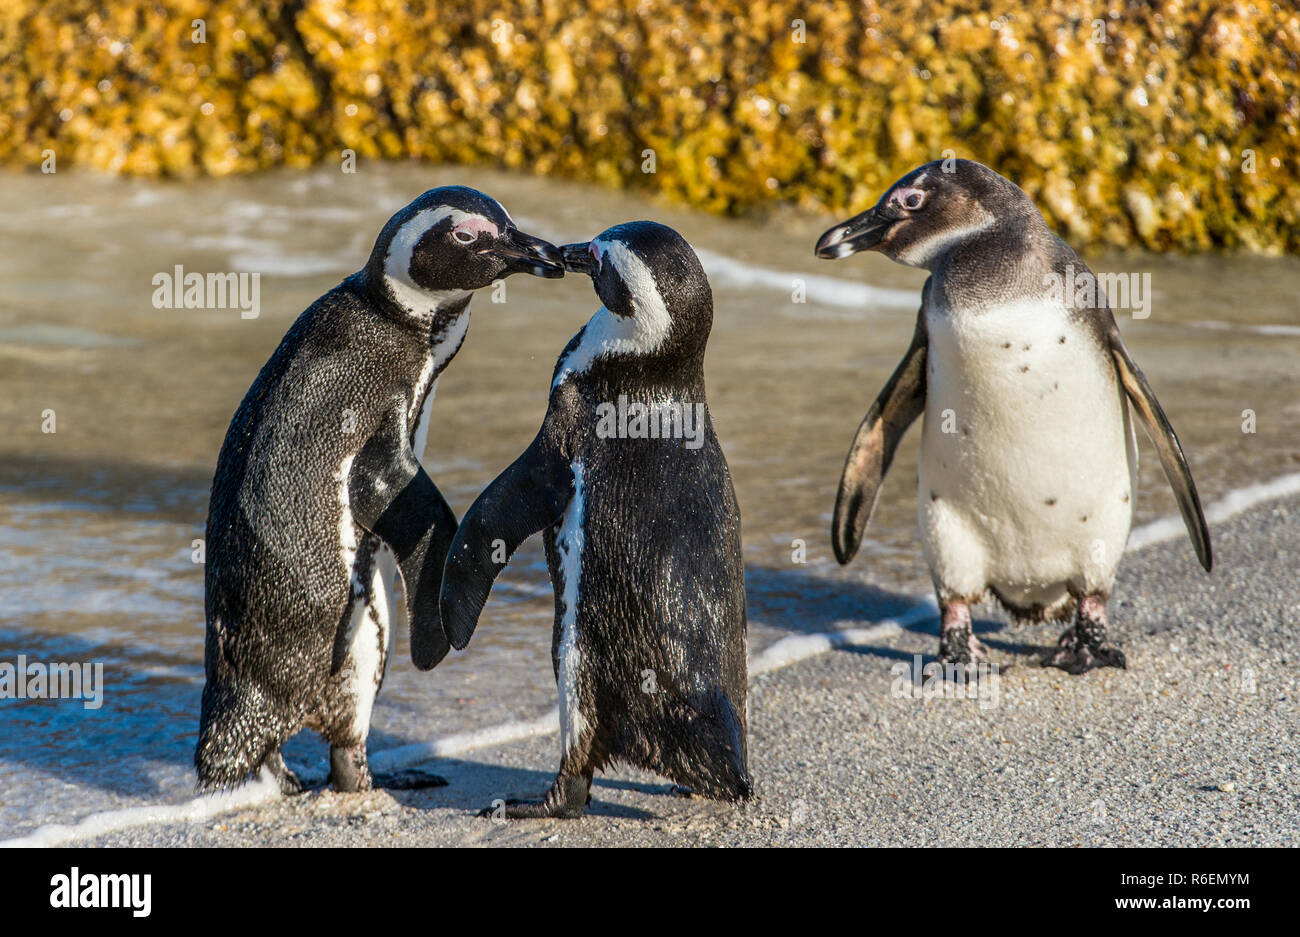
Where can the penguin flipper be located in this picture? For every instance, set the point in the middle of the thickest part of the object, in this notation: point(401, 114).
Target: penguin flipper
point(900, 402)
point(529, 496)
point(1165, 440)
point(393, 498)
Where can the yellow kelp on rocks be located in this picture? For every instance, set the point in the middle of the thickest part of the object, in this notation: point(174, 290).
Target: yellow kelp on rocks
point(1168, 125)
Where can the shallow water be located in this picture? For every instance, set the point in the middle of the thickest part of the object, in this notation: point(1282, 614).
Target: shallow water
point(97, 519)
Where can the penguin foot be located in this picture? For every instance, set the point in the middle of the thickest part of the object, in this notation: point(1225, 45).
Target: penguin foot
point(957, 641)
point(290, 785)
point(288, 781)
point(1076, 658)
point(530, 810)
point(1083, 646)
point(566, 800)
point(410, 780)
point(349, 769)
point(968, 651)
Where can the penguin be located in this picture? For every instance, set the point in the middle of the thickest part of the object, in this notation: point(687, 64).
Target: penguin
point(319, 504)
point(642, 535)
point(1028, 465)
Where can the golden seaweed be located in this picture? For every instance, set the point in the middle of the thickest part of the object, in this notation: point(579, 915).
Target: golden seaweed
point(1165, 125)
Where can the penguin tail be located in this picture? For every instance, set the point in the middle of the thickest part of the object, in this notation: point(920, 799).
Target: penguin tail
point(236, 736)
point(707, 750)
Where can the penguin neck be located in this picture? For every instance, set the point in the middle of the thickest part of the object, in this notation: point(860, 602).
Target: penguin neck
point(642, 380)
point(635, 345)
point(425, 314)
point(1004, 264)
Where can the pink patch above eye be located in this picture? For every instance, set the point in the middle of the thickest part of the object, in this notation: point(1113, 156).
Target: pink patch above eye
point(475, 225)
point(909, 198)
point(595, 253)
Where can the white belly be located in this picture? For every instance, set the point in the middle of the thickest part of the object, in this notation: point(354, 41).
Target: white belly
point(1028, 463)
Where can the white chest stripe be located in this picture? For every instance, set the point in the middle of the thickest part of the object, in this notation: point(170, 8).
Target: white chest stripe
point(569, 544)
point(347, 532)
point(607, 333)
point(420, 437)
point(445, 346)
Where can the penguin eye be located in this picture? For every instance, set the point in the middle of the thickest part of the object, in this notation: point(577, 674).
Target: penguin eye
point(463, 236)
point(912, 200)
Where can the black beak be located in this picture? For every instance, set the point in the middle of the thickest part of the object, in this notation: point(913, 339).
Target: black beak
point(860, 233)
point(578, 259)
point(527, 254)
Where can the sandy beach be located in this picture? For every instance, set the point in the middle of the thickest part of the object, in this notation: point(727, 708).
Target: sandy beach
point(1195, 744)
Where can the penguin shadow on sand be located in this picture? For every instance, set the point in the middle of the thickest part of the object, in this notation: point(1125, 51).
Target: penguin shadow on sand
point(1014, 651)
point(800, 601)
point(797, 601)
point(473, 785)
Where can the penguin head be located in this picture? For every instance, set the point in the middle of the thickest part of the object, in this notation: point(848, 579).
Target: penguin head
point(929, 211)
point(648, 277)
point(450, 241)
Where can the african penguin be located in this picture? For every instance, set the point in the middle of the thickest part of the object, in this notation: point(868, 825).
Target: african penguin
point(1028, 457)
point(641, 530)
point(319, 499)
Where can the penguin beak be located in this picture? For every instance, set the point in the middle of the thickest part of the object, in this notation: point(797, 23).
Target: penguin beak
point(524, 253)
point(578, 258)
point(860, 233)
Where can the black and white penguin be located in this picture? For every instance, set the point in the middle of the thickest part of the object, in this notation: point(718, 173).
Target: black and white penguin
point(319, 498)
point(1028, 461)
point(641, 529)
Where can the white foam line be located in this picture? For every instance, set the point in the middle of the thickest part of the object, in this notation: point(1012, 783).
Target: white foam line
point(1257, 328)
point(280, 264)
point(259, 791)
point(778, 655)
point(823, 290)
point(797, 647)
point(1233, 503)
point(395, 759)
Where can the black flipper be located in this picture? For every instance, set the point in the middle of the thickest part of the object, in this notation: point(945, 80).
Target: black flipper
point(900, 402)
point(529, 496)
point(1163, 437)
point(393, 498)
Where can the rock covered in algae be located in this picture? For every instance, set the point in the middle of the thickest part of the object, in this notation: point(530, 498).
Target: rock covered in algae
point(1167, 125)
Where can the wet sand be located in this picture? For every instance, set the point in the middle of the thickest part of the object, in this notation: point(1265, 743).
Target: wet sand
point(1194, 745)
